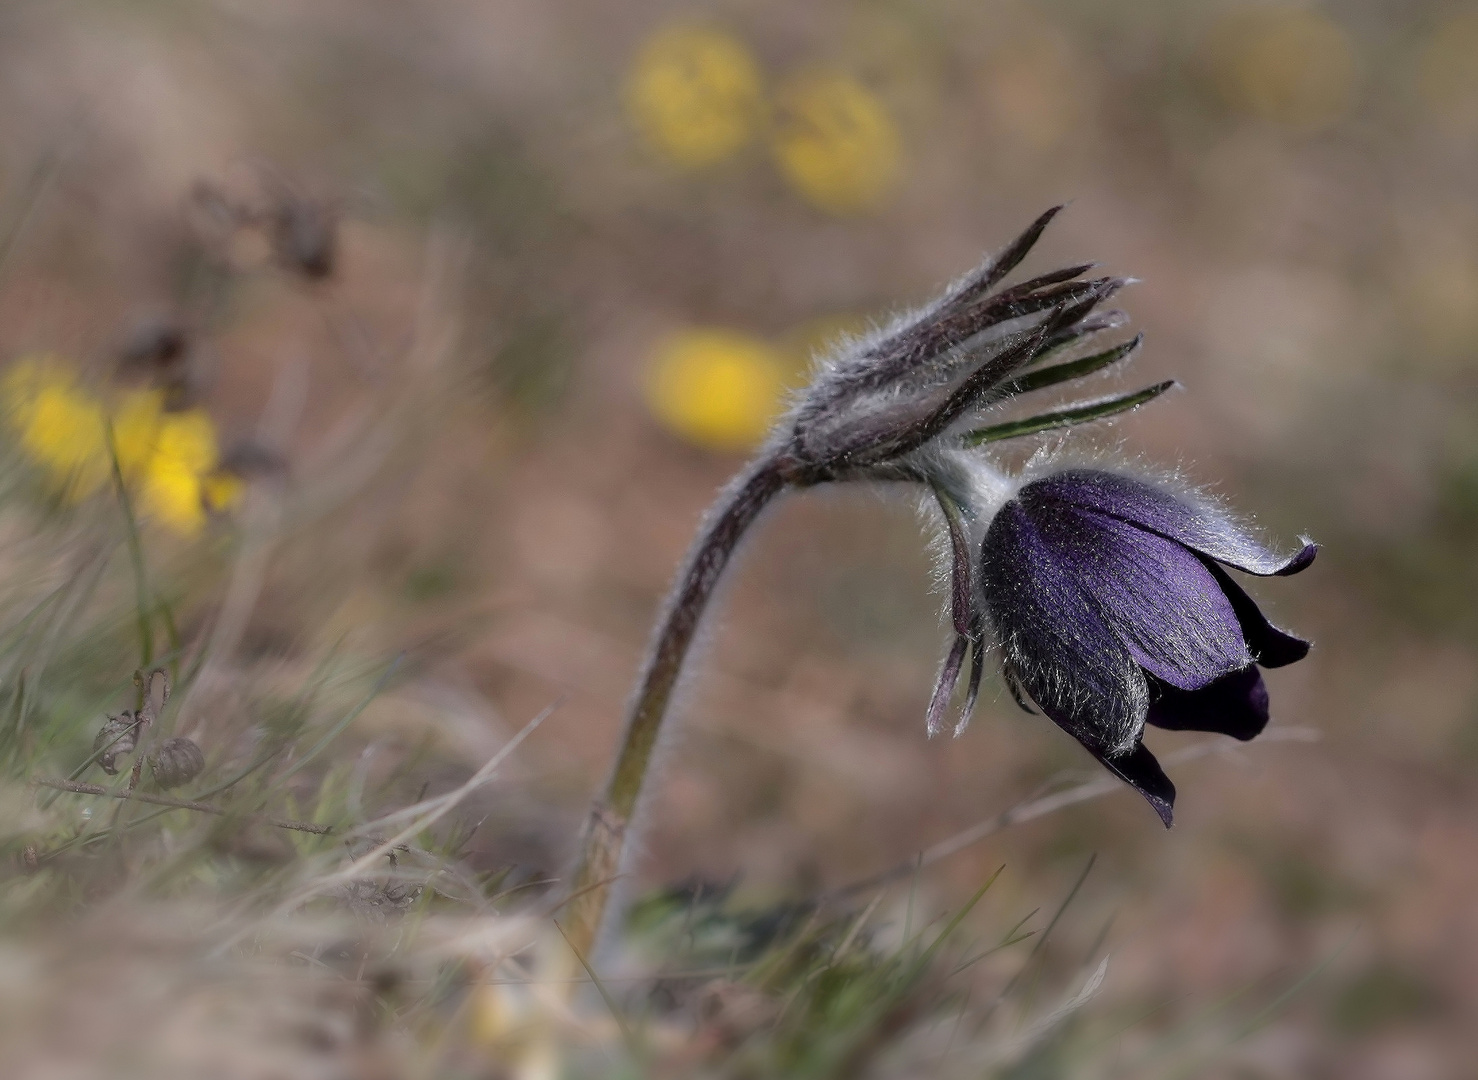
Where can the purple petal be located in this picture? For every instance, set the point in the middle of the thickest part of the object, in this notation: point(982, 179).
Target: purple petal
point(1057, 643)
point(1198, 526)
point(944, 687)
point(962, 584)
point(1269, 646)
point(1157, 595)
point(1235, 705)
point(1139, 769)
point(972, 690)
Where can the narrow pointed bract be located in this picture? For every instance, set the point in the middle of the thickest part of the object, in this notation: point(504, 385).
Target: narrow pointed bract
point(884, 397)
point(966, 616)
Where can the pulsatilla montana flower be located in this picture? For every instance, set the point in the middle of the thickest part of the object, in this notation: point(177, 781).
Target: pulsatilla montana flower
point(1107, 593)
point(1113, 609)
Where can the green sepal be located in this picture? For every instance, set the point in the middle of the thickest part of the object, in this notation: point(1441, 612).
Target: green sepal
point(1069, 417)
point(1073, 369)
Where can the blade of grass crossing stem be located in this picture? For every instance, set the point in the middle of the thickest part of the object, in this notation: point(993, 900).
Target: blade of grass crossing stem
point(1069, 417)
point(1276, 1005)
point(42, 177)
point(1051, 925)
point(633, 1047)
point(79, 591)
point(300, 706)
point(913, 892)
point(1011, 937)
point(349, 718)
point(954, 923)
point(1208, 1015)
point(136, 556)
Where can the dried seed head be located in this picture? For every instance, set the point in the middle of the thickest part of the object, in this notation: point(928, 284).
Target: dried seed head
point(178, 761)
point(118, 737)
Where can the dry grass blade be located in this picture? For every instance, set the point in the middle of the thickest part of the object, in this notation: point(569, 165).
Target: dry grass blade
point(1048, 804)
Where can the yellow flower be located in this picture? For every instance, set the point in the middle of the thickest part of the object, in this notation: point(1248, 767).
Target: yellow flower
point(137, 421)
point(172, 489)
point(695, 94)
point(836, 143)
point(58, 424)
point(717, 388)
point(172, 459)
point(222, 490)
point(169, 459)
point(1293, 66)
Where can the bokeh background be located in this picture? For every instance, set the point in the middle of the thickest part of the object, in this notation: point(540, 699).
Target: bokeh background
point(579, 252)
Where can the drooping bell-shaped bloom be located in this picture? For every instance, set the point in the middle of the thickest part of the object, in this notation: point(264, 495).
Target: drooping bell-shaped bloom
point(1113, 608)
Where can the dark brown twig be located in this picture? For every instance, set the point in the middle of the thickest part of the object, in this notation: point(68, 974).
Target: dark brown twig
point(78, 788)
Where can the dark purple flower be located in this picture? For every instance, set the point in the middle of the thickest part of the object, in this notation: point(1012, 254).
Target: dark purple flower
point(1113, 610)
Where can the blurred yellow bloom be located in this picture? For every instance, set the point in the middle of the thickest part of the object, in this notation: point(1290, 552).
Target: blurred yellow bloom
point(58, 424)
point(696, 95)
point(717, 388)
point(172, 482)
point(836, 143)
point(169, 459)
point(222, 490)
point(1290, 65)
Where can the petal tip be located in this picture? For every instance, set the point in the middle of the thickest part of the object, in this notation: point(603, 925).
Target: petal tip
point(1301, 560)
point(1142, 772)
point(1166, 810)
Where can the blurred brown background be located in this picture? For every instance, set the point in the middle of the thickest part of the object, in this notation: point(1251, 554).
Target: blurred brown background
point(1293, 184)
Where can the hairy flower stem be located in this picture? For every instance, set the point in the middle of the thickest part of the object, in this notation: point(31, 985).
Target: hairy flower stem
point(599, 858)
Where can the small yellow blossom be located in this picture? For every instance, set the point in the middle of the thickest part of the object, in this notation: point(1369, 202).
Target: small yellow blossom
point(836, 143)
point(169, 459)
point(137, 420)
point(1293, 66)
point(172, 488)
point(222, 490)
point(60, 425)
point(696, 94)
point(717, 388)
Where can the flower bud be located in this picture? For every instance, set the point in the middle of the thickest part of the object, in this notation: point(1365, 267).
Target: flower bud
point(887, 396)
point(178, 761)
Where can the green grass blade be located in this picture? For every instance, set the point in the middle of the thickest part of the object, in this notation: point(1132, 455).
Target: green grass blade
point(348, 718)
point(633, 1047)
point(136, 556)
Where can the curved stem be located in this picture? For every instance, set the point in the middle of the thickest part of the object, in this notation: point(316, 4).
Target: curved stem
point(599, 857)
